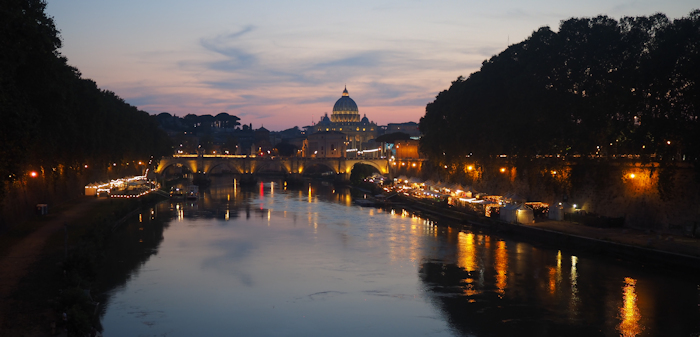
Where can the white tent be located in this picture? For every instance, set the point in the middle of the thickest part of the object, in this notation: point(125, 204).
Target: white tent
point(514, 213)
point(508, 213)
point(556, 212)
point(524, 215)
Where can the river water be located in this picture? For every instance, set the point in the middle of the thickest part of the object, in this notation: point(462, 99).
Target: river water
point(274, 261)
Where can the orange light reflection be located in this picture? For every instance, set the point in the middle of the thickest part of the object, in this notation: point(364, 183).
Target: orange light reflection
point(629, 312)
point(501, 266)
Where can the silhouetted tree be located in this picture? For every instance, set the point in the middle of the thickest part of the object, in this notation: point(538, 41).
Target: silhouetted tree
point(392, 137)
point(286, 149)
point(597, 86)
point(54, 120)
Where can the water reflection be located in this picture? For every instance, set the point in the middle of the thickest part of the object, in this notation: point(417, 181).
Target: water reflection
point(129, 249)
point(501, 266)
point(629, 312)
point(467, 252)
point(309, 250)
point(573, 278)
point(528, 290)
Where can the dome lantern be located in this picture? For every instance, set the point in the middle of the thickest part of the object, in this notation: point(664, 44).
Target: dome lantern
point(345, 109)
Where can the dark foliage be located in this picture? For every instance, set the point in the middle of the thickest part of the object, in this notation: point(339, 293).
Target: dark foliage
point(286, 149)
point(598, 87)
point(393, 137)
point(52, 119)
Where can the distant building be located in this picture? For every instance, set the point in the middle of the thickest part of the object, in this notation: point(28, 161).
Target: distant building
point(294, 136)
point(262, 145)
point(325, 144)
point(346, 119)
point(411, 128)
point(407, 149)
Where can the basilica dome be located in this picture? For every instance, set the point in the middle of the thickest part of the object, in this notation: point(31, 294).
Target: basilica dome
point(345, 109)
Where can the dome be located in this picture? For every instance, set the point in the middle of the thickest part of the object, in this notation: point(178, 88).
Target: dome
point(345, 109)
point(325, 120)
point(365, 120)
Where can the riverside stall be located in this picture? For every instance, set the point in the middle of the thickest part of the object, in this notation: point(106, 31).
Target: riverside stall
point(129, 187)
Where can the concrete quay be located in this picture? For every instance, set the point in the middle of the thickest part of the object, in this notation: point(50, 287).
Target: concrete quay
point(645, 248)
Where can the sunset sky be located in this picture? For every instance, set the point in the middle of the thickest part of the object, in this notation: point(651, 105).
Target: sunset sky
point(284, 63)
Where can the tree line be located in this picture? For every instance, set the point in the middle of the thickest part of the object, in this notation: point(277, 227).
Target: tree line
point(197, 123)
point(52, 119)
point(596, 88)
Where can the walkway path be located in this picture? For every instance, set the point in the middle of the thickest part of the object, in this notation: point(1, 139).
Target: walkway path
point(676, 244)
point(20, 258)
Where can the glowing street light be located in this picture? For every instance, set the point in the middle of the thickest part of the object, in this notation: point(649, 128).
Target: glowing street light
point(33, 174)
point(503, 170)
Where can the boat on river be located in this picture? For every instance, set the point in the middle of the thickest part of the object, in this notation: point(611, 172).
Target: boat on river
point(177, 193)
point(192, 192)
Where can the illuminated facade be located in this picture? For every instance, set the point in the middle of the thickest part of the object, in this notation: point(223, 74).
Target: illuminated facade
point(324, 144)
point(346, 119)
point(407, 149)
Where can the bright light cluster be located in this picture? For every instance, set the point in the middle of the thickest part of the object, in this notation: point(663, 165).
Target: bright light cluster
point(123, 187)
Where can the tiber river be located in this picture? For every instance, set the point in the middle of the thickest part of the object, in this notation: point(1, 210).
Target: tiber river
point(271, 261)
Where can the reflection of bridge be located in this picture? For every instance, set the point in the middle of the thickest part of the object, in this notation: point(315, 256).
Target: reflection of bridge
point(249, 164)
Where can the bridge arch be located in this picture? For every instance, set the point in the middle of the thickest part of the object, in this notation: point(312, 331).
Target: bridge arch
point(231, 168)
point(381, 165)
point(270, 166)
point(239, 164)
point(315, 165)
point(164, 167)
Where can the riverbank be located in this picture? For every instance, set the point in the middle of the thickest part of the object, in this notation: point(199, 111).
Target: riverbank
point(645, 248)
point(33, 261)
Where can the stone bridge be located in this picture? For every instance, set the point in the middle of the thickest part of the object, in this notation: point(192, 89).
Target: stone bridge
point(249, 164)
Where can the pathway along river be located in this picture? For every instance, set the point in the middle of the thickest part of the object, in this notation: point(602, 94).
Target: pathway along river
point(270, 261)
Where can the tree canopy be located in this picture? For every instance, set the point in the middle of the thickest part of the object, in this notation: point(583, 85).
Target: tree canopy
point(393, 137)
point(596, 87)
point(52, 119)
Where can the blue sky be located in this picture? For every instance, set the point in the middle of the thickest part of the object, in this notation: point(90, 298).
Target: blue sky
point(284, 63)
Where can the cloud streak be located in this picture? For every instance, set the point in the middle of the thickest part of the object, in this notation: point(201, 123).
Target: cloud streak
point(279, 63)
